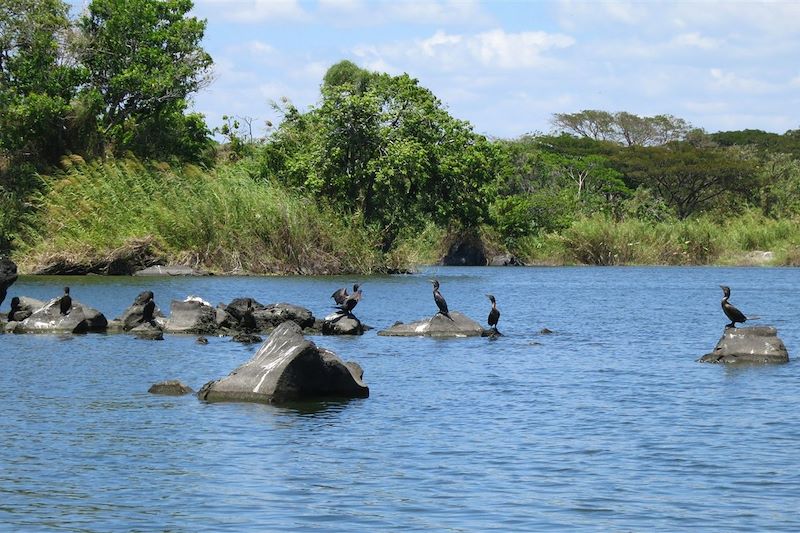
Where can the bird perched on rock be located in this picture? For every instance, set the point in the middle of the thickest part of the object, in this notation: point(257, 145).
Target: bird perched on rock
point(65, 302)
point(439, 299)
point(149, 309)
point(730, 311)
point(349, 302)
point(494, 314)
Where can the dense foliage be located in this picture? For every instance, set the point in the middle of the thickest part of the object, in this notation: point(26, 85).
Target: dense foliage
point(375, 172)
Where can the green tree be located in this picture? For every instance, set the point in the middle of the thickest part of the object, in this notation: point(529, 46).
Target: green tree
point(144, 60)
point(391, 153)
point(622, 127)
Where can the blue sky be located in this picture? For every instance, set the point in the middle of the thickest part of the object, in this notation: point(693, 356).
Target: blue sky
point(508, 66)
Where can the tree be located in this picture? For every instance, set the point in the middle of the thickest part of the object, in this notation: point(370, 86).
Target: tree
point(37, 80)
point(691, 179)
point(391, 153)
point(144, 60)
point(622, 127)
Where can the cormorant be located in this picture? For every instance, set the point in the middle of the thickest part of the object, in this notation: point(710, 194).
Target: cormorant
point(439, 299)
point(494, 314)
point(65, 303)
point(149, 309)
point(248, 320)
point(730, 311)
point(341, 294)
point(14, 308)
point(349, 303)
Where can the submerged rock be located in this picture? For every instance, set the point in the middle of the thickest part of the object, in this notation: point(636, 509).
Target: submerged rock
point(758, 344)
point(8, 275)
point(288, 367)
point(437, 326)
point(171, 387)
point(48, 319)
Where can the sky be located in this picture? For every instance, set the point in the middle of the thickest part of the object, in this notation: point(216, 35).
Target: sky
point(508, 66)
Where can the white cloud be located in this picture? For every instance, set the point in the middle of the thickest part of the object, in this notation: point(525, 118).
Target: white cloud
point(695, 40)
point(255, 11)
point(493, 49)
point(722, 80)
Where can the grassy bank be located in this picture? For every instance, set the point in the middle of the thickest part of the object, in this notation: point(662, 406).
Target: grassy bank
point(108, 213)
point(600, 240)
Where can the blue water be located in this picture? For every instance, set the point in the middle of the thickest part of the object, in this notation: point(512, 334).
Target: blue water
point(608, 424)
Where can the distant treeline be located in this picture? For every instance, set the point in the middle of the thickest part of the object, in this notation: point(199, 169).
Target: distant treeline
point(99, 103)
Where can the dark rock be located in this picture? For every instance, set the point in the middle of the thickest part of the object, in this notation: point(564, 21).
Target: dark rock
point(48, 319)
point(133, 316)
point(191, 316)
point(466, 250)
point(172, 387)
point(247, 338)
point(201, 340)
point(148, 331)
point(239, 315)
point(759, 344)
point(492, 333)
point(8, 275)
point(171, 270)
point(273, 315)
point(22, 307)
point(545, 331)
point(341, 324)
point(505, 260)
point(288, 367)
point(437, 326)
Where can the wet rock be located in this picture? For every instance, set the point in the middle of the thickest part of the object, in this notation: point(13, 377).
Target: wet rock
point(239, 315)
point(171, 270)
point(247, 338)
point(171, 387)
point(201, 340)
point(273, 315)
point(191, 316)
point(133, 316)
point(437, 326)
point(288, 367)
point(341, 324)
point(755, 345)
point(8, 275)
point(22, 307)
point(48, 319)
point(148, 331)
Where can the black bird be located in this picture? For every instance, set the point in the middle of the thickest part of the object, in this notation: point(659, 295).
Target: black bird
point(149, 309)
point(15, 304)
point(341, 294)
point(494, 314)
point(730, 311)
point(350, 301)
point(65, 303)
point(249, 324)
point(439, 299)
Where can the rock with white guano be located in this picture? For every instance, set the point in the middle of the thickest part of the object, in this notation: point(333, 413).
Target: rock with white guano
point(438, 325)
point(755, 345)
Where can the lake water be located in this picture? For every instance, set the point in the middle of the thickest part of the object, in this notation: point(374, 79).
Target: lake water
point(608, 424)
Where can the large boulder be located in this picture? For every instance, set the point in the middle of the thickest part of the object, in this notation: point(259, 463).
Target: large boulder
point(48, 319)
point(239, 315)
point(288, 367)
point(8, 275)
point(133, 316)
point(342, 324)
point(273, 315)
point(438, 325)
point(758, 344)
point(191, 316)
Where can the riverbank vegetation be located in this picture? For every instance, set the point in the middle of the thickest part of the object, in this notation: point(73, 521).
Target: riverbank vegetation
point(103, 168)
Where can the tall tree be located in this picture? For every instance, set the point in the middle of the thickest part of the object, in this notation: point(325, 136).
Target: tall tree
point(144, 60)
point(622, 127)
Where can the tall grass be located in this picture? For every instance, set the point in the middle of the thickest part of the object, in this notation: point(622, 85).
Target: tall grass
point(599, 240)
point(220, 219)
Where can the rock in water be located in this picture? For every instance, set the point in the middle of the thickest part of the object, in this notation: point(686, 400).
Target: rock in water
point(759, 344)
point(342, 324)
point(437, 326)
point(8, 275)
point(172, 387)
point(191, 316)
point(288, 367)
point(48, 319)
